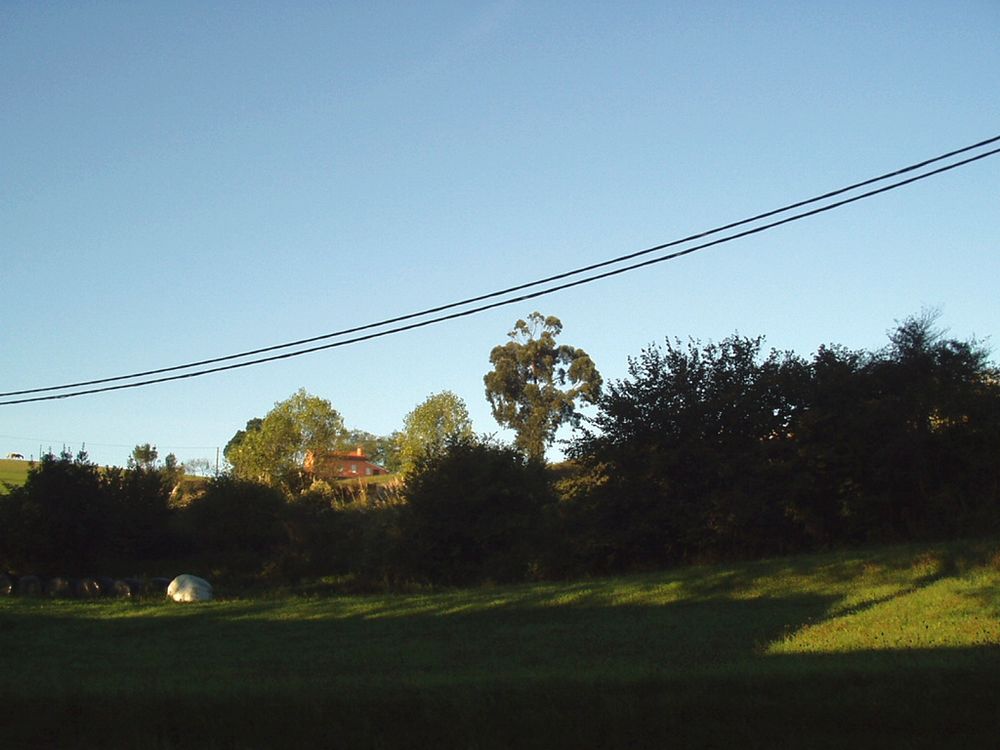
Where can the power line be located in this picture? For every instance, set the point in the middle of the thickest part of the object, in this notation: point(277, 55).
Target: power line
point(522, 297)
point(50, 441)
point(501, 292)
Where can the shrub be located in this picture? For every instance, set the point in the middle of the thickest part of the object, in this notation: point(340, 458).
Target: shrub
point(58, 519)
point(474, 512)
point(139, 512)
point(236, 523)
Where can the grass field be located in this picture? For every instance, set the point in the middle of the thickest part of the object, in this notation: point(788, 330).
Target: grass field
point(12, 472)
point(894, 647)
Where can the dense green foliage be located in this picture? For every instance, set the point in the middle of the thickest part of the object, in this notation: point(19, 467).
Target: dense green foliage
point(144, 456)
point(719, 451)
point(535, 383)
point(234, 523)
point(381, 449)
point(474, 512)
point(70, 515)
point(704, 452)
point(428, 428)
point(237, 439)
point(273, 451)
point(882, 648)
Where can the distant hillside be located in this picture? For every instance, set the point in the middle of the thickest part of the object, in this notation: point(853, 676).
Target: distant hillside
point(13, 472)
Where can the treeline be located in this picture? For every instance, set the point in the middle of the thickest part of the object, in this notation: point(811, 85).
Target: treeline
point(702, 452)
point(72, 516)
point(721, 450)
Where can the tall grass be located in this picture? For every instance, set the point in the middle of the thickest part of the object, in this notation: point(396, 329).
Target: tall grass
point(895, 647)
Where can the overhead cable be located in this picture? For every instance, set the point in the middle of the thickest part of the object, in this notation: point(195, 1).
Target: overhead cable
point(520, 287)
point(517, 288)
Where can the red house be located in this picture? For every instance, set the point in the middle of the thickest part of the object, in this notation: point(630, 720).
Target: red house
point(339, 465)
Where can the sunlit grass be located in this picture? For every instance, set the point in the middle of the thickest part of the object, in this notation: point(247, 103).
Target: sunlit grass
point(12, 472)
point(951, 612)
point(775, 641)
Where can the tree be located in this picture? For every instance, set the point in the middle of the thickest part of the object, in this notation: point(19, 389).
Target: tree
point(726, 450)
point(688, 451)
point(198, 466)
point(428, 428)
point(387, 453)
point(58, 519)
point(236, 440)
point(474, 512)
point(919, 451)
point(139, 514)
point(274, 453)
point(527, 388)
point(172, 470)
point(381, 449)
point(235, 523)
point(144, 456)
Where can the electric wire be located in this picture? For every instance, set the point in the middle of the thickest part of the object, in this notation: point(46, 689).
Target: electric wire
point(523, 297)
point(508, 290)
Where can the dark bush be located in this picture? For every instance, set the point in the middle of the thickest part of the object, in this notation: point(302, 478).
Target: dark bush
point(316, 537)
point(58, 519)
point(235, 524)
point(29, 586)
point(71, 515)
point(474, 513)
point(723, 451)
point(688, 456)
point(139, 505)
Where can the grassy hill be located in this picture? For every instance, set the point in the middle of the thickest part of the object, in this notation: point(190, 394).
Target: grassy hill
point(12, 472)
point(15, 472)
point(891, 647)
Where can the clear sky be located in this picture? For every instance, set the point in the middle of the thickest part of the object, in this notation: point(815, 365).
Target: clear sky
point(187, 180)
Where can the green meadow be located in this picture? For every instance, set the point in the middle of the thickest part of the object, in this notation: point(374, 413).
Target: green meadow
point(889, 647)
point(12, 472)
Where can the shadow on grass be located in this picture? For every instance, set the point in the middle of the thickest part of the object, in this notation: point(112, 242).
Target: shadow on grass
point(521, 675)
point(928, 563)
point(808, 702)
point(203, 649)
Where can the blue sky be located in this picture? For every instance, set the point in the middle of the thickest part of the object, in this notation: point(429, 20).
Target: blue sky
point(185, 180)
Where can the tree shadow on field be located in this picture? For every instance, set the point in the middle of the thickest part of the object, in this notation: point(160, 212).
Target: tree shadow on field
point(441, 643)
point(530, 674)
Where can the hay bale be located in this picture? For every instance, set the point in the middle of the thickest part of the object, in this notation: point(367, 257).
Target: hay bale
point(122, 590)
point(158, 586)
point(107, 585)
point(137, 586)
point(87, 588)
point(29, 586)
point(8, 584)
point(189, 588)
point(59, 587)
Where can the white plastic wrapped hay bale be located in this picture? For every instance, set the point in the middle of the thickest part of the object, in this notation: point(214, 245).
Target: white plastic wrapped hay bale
point(189, 588)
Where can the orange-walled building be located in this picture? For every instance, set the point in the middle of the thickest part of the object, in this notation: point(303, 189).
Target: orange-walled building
point(339, 465)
